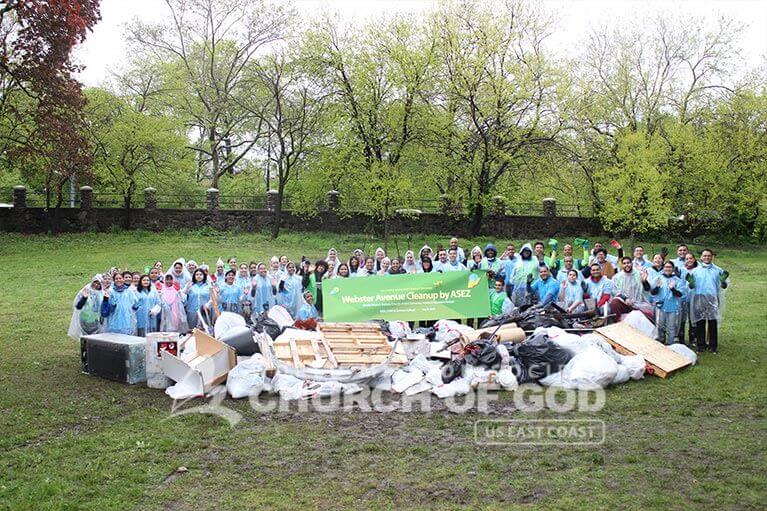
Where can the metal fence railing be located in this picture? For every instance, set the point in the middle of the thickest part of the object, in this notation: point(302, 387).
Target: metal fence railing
point(36, 198)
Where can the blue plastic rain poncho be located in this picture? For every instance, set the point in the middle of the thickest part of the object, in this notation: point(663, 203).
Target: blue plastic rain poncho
point(411, 265)
point(546, 290)
point(263, 293)
point(197, 296)
point(172, 316)
point(148, 312)
point(664, 297)
point(526, 265)
point(182, 278)
point(290, 289)
point(597, 288)
point(490, 263)
point(562, 275)
point(307, 311)
point(706, 295)
point(231, 297)
point(86, 311)
point(120, 310)
point(574, 297)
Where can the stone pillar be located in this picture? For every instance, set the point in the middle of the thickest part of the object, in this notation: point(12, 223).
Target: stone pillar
point(498, 207)
point(150, 199)
point(271, 200)
point(19, 198)
point(211, 199)
point(86, 197)
point(549, 207)
point(334, 200)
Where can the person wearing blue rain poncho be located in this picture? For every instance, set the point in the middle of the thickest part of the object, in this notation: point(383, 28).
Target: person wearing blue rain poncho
point(86, 310)
point(307, 310)
point(668, 295)
point(119, 307)
point(180, 274)
point(545, 288)
point(599, 288)
point(571, 292)
point(197, 296)
point(219, 275)
point(148, 312)
point(264, 290)
point(290, 289)
point(242, 279)
point(231, 295)
point(681, 257)
point(567, 264)
point(526, 267)
point(707, 283)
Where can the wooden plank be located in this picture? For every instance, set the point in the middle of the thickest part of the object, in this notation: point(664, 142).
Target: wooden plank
point(627, 340)
point(294, 351)
point(317, 355)
point(263, 347)
point(329, 351)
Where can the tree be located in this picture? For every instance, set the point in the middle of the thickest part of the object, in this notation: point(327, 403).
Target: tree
point(35, 62)
point(497, 94)
point(207, 46)
point(130, 147)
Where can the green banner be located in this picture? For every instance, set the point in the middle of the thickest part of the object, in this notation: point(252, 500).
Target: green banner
point(411, 297)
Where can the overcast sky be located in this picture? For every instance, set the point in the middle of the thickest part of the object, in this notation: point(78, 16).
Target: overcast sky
point(104, 49)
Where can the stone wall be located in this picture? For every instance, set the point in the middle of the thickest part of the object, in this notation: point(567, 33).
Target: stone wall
point(37, 220)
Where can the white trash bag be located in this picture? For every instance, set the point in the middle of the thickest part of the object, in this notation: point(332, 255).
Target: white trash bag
point(684, 351)
point(246, 379)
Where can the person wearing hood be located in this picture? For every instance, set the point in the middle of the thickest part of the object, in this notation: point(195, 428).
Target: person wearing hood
point(359, 254)
point(197, 296)
point(172, 315)
point(180, 275)
point(491, 264)
point(274, 270)
point(525, 269)
point(545, 288)
point(425, 252)
point(290, 290)
point(86, 310)
point(220, 274)
point(629, 289)
point(599, 288)
point(380, 254)
point(119, 307)
point(263, 291)
point(707, 283)
point(668, 293)
point(385, 265)
point(499, 300)
point(312, 282)
point(571, 293)
point(307, 310)
point(191, 265)
point(148, 313)
point(411, 265)
point(332, 257)
point(475, 259)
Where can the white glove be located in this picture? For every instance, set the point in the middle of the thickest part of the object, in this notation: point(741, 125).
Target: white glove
point(154, 311)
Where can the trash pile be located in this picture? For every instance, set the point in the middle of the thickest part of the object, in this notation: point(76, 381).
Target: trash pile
point(305, 360)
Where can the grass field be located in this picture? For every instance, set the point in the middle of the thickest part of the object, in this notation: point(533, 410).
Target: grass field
point(70, 441)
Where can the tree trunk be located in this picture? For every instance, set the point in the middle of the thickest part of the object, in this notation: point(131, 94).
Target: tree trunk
point(128, 210)
point(277, 216)
point(477, 215)
point(214, 162)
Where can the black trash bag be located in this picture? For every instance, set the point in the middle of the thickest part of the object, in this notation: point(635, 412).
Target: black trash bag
point(452, 370)
point(482, 353)
point(539, 357)
point(427, 331)
point(263, 324)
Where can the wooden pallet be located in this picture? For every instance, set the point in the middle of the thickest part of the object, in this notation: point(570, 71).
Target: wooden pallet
point(338, 345)
point(627, 340)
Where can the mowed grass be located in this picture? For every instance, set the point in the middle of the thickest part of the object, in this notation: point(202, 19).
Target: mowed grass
point(70, 441)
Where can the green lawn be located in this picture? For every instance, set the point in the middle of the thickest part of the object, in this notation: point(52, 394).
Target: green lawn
point(70, 441)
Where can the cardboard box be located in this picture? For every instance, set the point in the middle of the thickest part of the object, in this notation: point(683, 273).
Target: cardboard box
point(116, 357)
point(202, 369)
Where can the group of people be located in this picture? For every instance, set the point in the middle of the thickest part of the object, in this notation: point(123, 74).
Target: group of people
point(674, 292)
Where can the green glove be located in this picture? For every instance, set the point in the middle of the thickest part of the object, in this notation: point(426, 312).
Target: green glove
point(690, 280)
point(724, 276)
point(580, 241)
point(664, 252)
point(554, 244)
point(529, 278)
point(586, 244)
